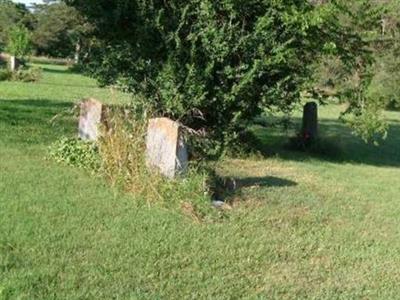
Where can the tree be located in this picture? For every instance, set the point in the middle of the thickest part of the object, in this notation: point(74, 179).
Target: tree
point(12, 14)
point(215, 65)
point(377, 22)
point(18, 43)
point(59, 30)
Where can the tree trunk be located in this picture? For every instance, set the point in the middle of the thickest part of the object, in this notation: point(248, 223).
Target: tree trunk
point(77, 52)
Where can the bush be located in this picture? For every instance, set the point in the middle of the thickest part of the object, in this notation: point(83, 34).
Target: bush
point(5, 74)
point(18, 43)
point(27, 75)
point(119, 157)
point(214, 65)
point(122, 150)
point(76, 153)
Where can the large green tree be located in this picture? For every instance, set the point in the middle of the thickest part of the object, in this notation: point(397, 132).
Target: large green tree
point(214, 65)
point(59, 30)
point(12, 14)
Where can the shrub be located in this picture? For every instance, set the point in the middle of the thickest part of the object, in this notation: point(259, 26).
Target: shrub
point(214, 65)
point(119, 157)
point(18, 41)
point(76, 153)
point(122, 151)
point(27, 75)
point(5, 74)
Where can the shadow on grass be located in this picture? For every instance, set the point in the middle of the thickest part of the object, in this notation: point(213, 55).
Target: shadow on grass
point(30, 121)
point(65, 71)
point(268, 181)
point(347, 148)
point(232, 188)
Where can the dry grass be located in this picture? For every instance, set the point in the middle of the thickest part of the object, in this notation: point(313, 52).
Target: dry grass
point(122, 150)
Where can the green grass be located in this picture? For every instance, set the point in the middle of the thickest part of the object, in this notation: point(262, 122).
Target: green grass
point(301, 227)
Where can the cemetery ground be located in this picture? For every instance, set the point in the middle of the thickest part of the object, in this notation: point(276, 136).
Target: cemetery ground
point(301, 227)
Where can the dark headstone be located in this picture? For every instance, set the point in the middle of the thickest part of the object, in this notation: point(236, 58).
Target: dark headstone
point(310, 121)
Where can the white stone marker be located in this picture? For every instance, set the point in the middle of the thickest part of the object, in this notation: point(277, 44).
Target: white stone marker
point(90, 119)
point(166, 149)
point(14, 63)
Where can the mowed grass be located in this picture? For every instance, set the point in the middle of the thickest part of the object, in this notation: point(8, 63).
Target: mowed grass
point(301, 227)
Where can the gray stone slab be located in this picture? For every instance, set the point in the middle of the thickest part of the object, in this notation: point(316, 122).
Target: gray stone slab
point(166, 148)
point(90, 119)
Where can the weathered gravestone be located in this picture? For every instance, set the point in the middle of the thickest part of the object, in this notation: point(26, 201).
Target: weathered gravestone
point(310, 121)
point(14, 63)
point(166, 149)
point(90, 119)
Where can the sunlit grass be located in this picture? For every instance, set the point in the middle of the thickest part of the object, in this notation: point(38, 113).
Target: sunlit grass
point(301, 227)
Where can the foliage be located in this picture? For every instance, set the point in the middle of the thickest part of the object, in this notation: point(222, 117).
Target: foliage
point(76, 153)
point(301, 227)
point(371, 89)
point(119, 157)
point(122, 150)
point(59, 30)
point(18, 43)
point(214, 65)
point(11, 15)
point(5, 74)
point(366, 123)
point(32, 74)
point(50, 60)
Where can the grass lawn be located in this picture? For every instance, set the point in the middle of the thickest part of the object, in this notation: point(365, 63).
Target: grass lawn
point(302, 227)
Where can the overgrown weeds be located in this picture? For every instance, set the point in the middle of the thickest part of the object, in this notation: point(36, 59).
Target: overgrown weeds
point(76, 153)
point(33, 74)
point(122, 150)
point(120, 157)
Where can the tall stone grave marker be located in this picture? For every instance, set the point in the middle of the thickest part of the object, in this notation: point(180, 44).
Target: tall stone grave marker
point(310, 121)
point(90, 119)
point(166, 149)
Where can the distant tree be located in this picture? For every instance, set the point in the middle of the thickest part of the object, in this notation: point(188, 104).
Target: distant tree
point(18, 43)
point(377, 22)
point(12, 14)
point(59, 30)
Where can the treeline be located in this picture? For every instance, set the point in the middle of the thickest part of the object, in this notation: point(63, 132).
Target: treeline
point(54, 28)
point(215, 65)
point(378, 23)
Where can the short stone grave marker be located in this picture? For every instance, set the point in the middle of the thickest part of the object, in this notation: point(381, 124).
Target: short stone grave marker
point(166, 149)
point(14, 63)
point(90, 119)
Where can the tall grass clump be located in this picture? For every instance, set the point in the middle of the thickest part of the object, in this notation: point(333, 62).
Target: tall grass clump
point(119, 156)
point(122, 148)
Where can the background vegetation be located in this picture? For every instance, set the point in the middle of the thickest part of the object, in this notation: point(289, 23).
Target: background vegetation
point(319, 224)
point(217, 65)
point(301, 226)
